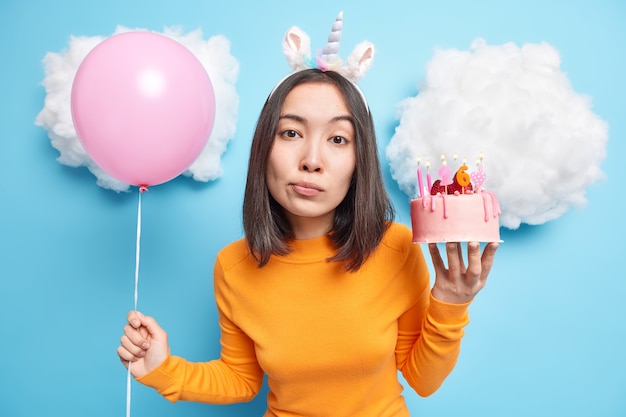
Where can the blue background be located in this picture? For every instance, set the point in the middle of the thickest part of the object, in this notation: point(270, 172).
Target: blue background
point(547, 334)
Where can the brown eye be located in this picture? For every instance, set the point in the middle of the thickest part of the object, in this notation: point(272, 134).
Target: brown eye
point(339, 140)
point(290, 134)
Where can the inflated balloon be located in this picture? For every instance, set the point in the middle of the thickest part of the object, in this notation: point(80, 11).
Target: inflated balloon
point(143, 107)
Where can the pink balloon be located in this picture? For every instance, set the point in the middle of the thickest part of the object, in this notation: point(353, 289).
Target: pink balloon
point(143, 107)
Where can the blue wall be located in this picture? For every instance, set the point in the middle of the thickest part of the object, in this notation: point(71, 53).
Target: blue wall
point(547, 334)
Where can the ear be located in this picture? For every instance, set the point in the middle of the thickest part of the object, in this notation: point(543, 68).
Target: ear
point(360, 60)
point(297, 48)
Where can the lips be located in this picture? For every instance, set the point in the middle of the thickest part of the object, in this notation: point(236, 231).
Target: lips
point(306, 189)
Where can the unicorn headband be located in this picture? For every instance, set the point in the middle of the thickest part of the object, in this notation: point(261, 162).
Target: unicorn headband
point(297, 50)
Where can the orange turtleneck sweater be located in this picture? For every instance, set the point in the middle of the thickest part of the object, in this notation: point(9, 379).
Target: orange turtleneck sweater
point(331, 342)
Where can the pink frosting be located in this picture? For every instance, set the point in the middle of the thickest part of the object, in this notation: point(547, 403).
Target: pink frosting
point(459, 218)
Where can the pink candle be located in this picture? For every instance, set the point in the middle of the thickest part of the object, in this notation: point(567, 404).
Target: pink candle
point(428, 179)
point(478, 177)
point(420, 183)
point(445, 171)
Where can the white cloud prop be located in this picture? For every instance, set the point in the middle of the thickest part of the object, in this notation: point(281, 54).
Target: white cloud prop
point(541, 142)
point(56, 117)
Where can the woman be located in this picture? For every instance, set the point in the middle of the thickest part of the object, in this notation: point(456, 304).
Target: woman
point(326, 295)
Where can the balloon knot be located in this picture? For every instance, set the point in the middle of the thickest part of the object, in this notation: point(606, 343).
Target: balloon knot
point(143, 188)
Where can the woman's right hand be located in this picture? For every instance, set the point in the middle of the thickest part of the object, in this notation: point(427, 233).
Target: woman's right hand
point(144, 343)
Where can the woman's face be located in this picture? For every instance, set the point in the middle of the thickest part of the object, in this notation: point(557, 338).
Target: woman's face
point(313, 157)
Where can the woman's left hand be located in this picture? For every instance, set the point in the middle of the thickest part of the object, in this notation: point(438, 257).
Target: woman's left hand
point(457, 283)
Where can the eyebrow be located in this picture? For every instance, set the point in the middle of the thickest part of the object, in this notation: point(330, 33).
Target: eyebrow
point(302, 119)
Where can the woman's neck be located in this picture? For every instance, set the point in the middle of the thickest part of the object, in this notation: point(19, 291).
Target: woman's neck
point(305, 228)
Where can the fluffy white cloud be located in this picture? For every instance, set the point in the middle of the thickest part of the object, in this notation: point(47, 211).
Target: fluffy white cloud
point(542, 144)
point(56, 118)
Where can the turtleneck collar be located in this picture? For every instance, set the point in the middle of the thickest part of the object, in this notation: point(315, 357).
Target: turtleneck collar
point(309, 250)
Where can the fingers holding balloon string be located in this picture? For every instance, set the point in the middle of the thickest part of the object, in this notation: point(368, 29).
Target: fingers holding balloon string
point(129, 351)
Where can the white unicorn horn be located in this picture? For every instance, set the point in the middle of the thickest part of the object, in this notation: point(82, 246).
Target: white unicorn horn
point(330, 53)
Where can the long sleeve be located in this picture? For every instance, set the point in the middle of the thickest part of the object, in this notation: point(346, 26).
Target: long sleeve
point(429, 342)
point(235, 377)
point(429, 331)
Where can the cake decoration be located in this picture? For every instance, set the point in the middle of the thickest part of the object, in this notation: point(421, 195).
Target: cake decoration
point(456, 207)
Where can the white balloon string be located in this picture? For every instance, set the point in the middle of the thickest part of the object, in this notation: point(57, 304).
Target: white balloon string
point(138, 247)
point(137, 257)
point(128, 382)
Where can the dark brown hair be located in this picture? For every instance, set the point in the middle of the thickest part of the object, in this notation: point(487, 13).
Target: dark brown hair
point(361, 219)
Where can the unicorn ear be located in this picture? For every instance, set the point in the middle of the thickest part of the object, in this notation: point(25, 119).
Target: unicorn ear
point(297, 48)
point(359, 60)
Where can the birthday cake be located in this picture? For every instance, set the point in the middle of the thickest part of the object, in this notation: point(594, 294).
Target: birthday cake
point(455, 208)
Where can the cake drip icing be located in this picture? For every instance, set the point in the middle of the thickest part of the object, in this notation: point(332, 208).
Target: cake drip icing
point(495, 204)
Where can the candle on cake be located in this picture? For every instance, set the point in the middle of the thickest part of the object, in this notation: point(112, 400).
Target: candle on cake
point(462, 177)
point(420, 183)
point(478, 177)
point(444, 173)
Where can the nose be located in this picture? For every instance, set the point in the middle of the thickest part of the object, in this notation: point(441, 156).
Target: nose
point(311, 160)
